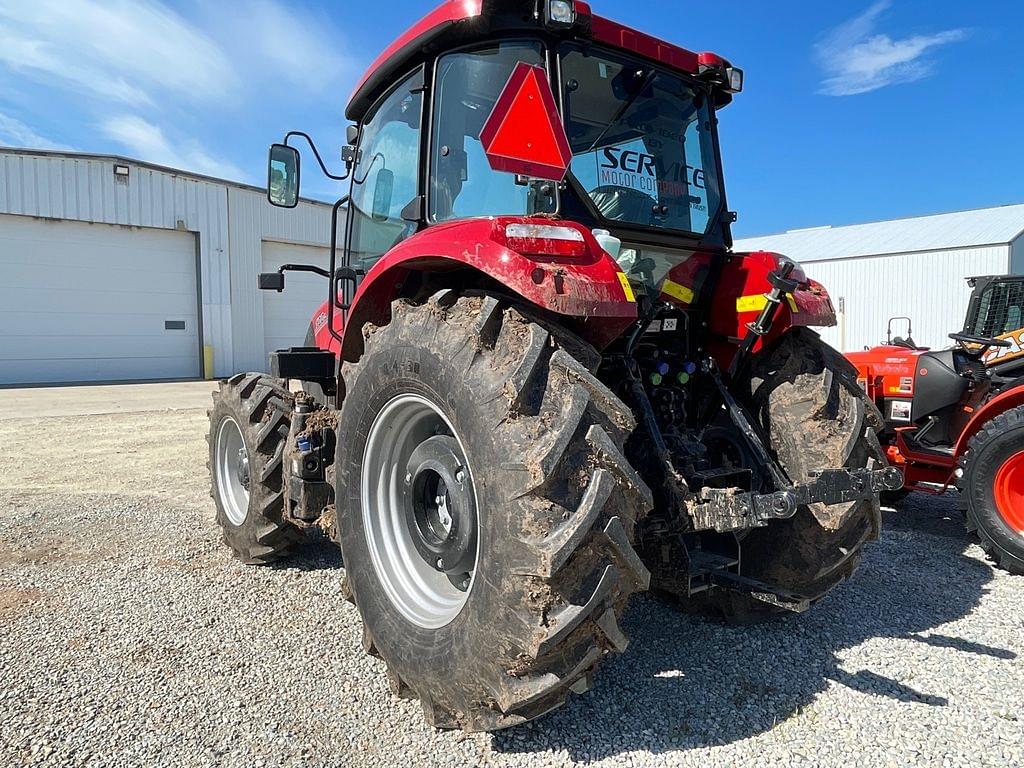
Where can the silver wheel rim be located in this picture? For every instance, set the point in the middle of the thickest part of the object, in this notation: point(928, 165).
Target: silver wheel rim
point(232, 471)
point(423, 595)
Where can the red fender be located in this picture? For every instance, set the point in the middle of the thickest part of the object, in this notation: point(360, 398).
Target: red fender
point(739, 298)
point(1001, 403)
point(589, 287)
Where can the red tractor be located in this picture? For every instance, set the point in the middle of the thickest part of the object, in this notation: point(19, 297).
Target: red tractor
point(541, 381)
point(955, 417)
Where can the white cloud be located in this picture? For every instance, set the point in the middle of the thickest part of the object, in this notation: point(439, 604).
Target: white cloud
point(146, 141)
point(14, 133)
point(125, 50)
point(857, 60)
point(275, 43)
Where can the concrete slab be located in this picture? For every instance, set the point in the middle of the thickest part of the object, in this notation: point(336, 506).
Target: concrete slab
point(36, 402)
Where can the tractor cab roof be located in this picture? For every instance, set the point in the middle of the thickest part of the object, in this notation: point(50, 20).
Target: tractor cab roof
point(462, 22)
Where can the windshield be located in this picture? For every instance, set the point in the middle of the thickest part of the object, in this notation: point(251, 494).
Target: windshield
point(642, 143)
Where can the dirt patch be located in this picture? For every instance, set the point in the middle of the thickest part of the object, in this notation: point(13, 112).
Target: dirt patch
point(48, 552)
point(15, 601)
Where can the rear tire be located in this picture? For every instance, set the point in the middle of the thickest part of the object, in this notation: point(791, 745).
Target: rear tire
point(992, 489)
point(815, 416)
point(249, 425)
point(555, 508)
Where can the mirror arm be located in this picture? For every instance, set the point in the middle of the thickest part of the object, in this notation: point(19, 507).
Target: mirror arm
point(332, 299)
point(316, 154)
point(303, 268)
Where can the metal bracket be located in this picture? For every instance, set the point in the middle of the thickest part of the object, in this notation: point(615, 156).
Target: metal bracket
point(725, 510)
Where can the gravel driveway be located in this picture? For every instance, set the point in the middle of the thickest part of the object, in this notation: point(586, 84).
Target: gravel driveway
point(131, 638)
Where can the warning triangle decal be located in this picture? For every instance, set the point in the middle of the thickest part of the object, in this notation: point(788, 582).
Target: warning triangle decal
point(524, 134)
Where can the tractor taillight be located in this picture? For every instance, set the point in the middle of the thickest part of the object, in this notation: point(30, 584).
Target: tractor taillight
point(544, 240)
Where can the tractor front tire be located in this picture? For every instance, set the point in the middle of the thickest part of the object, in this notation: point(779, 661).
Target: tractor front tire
point(815, 417)
point(249, 425)
point(485, 509)
point(992, 489)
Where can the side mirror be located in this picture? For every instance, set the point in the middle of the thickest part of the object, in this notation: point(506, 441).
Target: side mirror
point(271, 281)
point(383, 192)
point(283, 176)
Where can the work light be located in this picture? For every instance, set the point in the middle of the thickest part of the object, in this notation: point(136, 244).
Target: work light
point(733, 80)
point(560, 13)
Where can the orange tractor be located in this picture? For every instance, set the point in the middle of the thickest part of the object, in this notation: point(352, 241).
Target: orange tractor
point(955, 417)
point(541, 380)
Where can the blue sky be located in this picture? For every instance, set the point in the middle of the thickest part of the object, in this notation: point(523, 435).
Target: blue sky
point(854, 111)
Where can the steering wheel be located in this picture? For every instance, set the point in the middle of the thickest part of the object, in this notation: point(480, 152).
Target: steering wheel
point(977, 346)
point(624, 204)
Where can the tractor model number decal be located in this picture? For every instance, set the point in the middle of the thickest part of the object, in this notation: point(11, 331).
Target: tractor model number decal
point(998, 355)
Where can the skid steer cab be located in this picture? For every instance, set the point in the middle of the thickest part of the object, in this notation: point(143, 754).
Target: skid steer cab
point(541, 380)
point(955, 417)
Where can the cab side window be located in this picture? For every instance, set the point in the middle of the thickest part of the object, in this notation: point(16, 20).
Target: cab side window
point(385, 179)
point(1000, 311)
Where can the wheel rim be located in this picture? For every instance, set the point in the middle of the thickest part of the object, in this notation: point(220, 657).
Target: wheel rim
point(1009, 492)
point(232, 471)
point(401, 529)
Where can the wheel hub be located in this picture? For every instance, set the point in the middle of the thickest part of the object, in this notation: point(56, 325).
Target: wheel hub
point(243, 467)
point(1009, 492)
point(419, 510)
point(439, 507)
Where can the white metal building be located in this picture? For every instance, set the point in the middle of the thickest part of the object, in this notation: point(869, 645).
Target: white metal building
point(112, 269)
point(912, 267)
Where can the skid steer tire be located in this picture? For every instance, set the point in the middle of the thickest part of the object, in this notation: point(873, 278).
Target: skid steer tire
point(252, 410)
point(992, 486)
point(539, 442)
point(815, 416)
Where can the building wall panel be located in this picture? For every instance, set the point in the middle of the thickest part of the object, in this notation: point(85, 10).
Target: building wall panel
point(253, 221)
point(929, 287)
point(230, 222)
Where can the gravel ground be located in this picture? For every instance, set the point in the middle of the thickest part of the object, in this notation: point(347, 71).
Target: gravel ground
point(130, 637)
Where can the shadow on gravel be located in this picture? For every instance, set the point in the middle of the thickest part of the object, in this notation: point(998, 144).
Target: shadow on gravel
point(316, 552)
point(689, 682)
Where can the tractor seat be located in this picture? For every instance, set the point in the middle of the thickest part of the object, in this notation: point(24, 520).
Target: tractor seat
point(907, 343)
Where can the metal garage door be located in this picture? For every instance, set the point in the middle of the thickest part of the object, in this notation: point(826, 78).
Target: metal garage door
point(286, 316)
point(96, 302)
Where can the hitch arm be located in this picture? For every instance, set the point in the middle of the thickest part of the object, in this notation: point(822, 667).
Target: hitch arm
point(782, 286)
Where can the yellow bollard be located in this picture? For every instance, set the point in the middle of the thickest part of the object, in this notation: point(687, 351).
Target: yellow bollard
point(208, 362)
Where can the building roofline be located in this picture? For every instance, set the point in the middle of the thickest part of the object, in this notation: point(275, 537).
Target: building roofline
point(834, 227)
point(74, 155)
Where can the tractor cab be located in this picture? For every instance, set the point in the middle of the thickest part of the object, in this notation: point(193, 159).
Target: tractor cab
point(528, 108)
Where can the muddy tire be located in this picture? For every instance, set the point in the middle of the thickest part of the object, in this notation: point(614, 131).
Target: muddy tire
point(248, 429)
point(992, 489)
point(815, 416)
point(545, 493)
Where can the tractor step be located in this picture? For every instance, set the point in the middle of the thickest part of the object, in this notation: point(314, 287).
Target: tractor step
point(704, 566)
point(769, 595)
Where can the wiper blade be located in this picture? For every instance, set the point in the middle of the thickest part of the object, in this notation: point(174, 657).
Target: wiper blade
point(649, 78)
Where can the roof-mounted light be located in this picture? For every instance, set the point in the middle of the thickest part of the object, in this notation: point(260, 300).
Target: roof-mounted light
point(733, 80)
point(560, 14)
